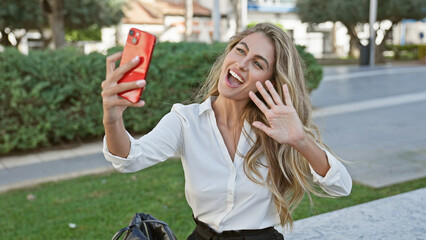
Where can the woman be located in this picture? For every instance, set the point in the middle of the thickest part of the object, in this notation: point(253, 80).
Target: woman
point(249, 151)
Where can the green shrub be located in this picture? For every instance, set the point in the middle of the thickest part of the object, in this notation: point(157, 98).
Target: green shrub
point(404, 52)
point(53, 97)
point(312, 71)
point(49, 97)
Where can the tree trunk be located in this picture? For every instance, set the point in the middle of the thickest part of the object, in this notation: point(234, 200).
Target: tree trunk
point(188, 18)
point(381, 47)
point(237, 12)
point(4, 40)
point(354, 46)
point(354, 42)
point(56, 22)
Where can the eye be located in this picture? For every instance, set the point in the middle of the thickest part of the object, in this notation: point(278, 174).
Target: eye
point(240, 50)
point(258, 65)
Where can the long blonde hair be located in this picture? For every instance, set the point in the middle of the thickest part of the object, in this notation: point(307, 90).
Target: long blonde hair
point(289, 176)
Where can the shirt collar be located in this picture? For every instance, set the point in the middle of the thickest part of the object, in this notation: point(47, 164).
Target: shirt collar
point(206, 105)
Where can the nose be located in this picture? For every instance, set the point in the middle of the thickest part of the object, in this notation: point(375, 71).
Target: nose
point(243, 63)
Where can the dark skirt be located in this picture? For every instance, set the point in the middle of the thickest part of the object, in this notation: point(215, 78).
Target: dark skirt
point(204, 232)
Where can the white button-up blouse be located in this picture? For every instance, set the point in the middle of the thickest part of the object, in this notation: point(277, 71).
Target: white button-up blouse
point(216, 188)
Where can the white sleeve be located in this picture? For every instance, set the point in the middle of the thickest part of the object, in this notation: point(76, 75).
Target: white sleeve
point(163, 142)
point(337, 181)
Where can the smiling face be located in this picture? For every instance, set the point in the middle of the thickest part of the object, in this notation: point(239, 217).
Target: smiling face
point(251, 60)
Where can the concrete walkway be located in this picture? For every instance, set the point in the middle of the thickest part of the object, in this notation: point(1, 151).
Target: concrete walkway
point(394, 218)
point(28, 170)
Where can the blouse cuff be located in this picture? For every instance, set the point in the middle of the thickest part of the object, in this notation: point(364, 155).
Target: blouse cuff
point(333, 174)
point(119, 162)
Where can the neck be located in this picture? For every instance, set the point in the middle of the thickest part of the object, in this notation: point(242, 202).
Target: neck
point(228, 112)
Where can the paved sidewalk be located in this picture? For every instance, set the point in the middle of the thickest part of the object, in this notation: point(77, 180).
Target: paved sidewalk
point(29, 170)
point(394, 218)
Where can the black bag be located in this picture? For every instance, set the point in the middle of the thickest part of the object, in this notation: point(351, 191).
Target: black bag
point(145, 227)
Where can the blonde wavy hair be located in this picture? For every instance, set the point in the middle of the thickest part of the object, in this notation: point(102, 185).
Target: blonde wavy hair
point(289, 176)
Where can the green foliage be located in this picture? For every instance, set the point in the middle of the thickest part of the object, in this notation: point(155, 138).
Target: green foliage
point(21, 14)
point(90, 34)
point(312, 71)
point(357, 11)
point(80, 14)
point(53, 97)
point(409, 51)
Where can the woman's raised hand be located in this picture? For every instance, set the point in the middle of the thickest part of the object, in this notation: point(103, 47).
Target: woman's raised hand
point(114, 105)
point(284, 123)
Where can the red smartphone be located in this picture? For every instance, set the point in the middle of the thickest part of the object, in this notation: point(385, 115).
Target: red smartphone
point(139, 43)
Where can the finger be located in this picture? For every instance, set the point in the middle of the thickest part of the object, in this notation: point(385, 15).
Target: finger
point(261, 126)
point(122, 87)
point(127, 103)
point(287, 96)
point(111, 62)
point(121, 102)
point(123, 69)
point(258, 102)
point(265, 94)
point(273, 92)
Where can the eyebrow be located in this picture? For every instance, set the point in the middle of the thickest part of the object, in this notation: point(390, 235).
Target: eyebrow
point(258, 56)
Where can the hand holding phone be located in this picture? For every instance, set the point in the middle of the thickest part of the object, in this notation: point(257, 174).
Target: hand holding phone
point(141, 44)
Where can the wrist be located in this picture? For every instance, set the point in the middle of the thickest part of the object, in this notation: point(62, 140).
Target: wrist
point(108, 123)
point(300, 142)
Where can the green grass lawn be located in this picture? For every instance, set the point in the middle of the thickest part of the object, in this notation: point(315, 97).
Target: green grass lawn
point(100, 205)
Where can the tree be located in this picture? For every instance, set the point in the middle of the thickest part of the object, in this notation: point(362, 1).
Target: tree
point(356, 12)
point(54, 10)
point(59, 15)
point(19, 15)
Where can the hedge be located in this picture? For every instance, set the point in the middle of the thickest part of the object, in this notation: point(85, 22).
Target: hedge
point(53, 97)
point(408, 51)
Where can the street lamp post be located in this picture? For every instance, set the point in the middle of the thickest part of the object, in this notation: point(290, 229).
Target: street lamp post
point(373, 16)
point(216, 21)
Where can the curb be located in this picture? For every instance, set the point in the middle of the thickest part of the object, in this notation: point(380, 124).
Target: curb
point(34, 182)
point(17, 161)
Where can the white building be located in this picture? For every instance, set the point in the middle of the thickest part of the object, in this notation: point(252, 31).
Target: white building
point(165, 18)
point(409, 32)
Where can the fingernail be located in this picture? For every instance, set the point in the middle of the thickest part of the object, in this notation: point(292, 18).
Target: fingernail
point(140, 82)
point(135, 59)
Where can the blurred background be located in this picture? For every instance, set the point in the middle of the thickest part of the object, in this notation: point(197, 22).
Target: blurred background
point(365, 67)
point(328, 29)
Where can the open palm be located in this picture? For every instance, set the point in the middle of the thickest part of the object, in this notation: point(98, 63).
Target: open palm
point(284, 124)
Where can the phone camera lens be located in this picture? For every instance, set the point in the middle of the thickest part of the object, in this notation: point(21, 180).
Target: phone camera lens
point(134, 40)
point(131, 33)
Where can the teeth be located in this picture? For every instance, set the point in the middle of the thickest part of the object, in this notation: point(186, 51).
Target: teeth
point(236, 76)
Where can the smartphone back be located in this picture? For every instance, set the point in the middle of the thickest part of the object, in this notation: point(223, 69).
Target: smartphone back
point(139, 43)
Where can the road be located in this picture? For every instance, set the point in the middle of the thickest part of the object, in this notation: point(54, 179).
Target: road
point(375, 119)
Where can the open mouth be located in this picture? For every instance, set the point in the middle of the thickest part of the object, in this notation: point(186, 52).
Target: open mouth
point(233, 79)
